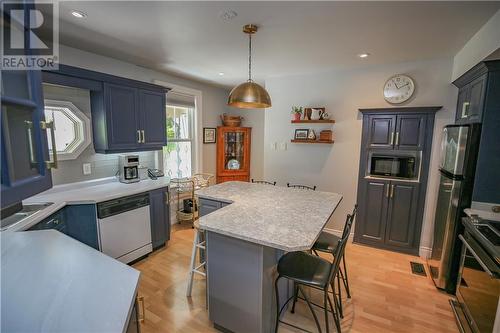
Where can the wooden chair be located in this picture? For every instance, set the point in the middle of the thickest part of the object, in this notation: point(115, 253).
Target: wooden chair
point(196, 268)
point(302, 187)
point(263, 182)
point(202, 180)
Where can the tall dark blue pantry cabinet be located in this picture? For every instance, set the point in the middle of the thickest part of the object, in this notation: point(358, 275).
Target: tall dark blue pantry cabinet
point(25, 155)
point(479, 102)
point(391, 207)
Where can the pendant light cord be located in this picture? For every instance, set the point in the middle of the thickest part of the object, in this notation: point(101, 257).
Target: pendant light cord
point(250, 57)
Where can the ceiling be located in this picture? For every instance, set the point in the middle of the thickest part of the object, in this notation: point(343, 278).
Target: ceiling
point(191, 39)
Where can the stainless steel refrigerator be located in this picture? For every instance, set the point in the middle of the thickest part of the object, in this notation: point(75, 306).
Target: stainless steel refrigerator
point(459, 148)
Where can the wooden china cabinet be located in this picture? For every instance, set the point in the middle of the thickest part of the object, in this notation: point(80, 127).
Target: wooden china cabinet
point(233, 153)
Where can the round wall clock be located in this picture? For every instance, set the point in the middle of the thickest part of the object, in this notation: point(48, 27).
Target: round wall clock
point(398, 89)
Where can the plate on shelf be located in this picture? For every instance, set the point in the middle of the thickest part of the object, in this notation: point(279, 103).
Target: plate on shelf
point(233, 164)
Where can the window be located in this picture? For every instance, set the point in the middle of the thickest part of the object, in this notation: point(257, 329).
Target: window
point(71, 129)
point(177, 154)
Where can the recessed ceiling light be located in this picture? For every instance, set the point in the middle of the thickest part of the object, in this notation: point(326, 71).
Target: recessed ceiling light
point(78, 14)
point(221, 73)
point(363, 55)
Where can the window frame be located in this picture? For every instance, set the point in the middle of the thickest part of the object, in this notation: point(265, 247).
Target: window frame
point(86, 131)
point(191, 131)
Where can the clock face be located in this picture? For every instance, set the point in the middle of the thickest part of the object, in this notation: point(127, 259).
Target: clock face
point(398, 89)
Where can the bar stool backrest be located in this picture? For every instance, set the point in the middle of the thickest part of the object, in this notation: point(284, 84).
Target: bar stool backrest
point(263, 182)
point(349, 221)
point(302, 187)
point(339, 251)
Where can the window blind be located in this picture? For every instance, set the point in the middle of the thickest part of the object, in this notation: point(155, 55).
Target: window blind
point(177, 99)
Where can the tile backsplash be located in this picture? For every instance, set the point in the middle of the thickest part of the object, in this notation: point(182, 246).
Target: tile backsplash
point(102, 165)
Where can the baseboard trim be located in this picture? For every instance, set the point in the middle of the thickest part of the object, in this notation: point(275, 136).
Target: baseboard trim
point(338, 233)
point(425, 252)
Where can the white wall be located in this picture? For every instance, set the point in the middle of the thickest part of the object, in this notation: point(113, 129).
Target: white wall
point(335, 167)
point(214, 98)
point(481, 45)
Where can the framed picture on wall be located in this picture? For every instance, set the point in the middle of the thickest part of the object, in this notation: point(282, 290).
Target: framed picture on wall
point(301, 134)
point(209, 135)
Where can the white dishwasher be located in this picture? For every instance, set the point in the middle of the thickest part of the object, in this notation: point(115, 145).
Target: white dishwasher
point(125, 227)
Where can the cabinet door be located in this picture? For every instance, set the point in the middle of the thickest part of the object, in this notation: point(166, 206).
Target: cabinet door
point(208, 206)
point(233, 153)
point(381, 131)
point(56, 221)
point(122, 117)
point(81, 224)
point(410, 131)
point(402, 214)
point(153, 118)
point(462, 103)
point(371, 221)
point(24, 147)
point(160, 217)
point(476, 99)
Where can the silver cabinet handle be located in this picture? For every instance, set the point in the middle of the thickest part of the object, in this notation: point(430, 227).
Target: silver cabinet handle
point(392, 139)
point(397, 138)
point(387, 191)
point(31, 147)
point(138, 136)
point(143, 136)
point(465, 106)
point(50, 125)
point(392, 191)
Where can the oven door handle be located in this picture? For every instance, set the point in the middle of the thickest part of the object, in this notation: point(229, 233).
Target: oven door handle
point(492, 272)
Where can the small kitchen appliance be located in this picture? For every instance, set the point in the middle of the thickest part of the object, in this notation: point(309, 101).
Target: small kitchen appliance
point(129, 168)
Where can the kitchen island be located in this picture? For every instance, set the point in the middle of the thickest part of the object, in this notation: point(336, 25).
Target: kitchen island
point(254, 226)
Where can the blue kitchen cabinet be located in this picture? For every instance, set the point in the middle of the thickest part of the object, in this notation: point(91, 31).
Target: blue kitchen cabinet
point(208, 206)
point(160, 217)
point(77, 221)
point(127, 115)
point(23, 140)
point(152, 116)
point(123, 117)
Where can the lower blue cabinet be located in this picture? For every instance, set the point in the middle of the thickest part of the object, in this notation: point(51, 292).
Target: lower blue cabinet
point(77, 221)
point(160, 217)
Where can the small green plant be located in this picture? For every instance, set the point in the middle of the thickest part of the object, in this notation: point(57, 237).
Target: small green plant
point(297, 109)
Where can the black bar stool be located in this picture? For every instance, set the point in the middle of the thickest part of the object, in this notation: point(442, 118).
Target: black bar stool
point(302, 187)
point(327, 243)
point(305, 269)
point(263, 182)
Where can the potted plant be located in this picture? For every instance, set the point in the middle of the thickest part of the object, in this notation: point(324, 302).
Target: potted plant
point(297, 112)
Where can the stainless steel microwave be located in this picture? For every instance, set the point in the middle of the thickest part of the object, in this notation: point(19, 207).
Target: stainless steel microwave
point(393, 166)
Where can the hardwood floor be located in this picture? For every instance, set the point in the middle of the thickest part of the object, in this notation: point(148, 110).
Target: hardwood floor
point(386, 297)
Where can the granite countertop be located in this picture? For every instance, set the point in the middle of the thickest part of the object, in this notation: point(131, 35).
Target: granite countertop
point(53, 283)
point(279, 217)
point(87, 192)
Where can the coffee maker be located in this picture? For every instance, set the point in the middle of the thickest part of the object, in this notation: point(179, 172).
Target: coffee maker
point(129, 168)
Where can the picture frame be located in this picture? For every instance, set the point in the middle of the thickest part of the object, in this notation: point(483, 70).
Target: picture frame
point(301, 134)
point(209, 135)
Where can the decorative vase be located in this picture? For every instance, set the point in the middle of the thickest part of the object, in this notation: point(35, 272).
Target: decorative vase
point(296, 116)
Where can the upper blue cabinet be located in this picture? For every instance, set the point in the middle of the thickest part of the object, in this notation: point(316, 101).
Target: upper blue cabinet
point(127, 115)
point(23, 140)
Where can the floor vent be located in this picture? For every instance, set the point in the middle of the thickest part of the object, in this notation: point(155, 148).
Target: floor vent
point(417, 268)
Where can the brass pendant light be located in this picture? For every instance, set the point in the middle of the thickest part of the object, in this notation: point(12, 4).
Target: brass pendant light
point(249, 95)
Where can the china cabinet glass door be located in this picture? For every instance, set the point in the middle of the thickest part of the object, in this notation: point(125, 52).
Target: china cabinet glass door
point(234, 150)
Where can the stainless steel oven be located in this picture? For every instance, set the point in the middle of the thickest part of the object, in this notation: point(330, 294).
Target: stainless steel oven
point(385, 164)
point(478, 286)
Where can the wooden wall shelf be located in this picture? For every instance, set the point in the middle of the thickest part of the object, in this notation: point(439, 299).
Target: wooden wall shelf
point(324, 121)
point(312, 141)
